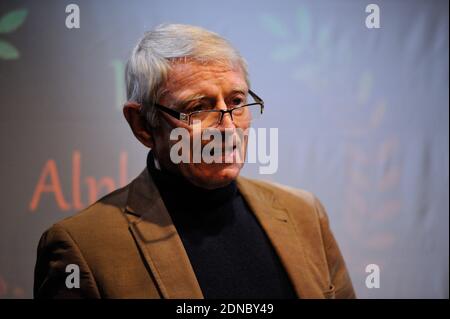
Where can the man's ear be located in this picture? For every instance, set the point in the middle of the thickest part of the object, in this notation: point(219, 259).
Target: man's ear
point(139, 126)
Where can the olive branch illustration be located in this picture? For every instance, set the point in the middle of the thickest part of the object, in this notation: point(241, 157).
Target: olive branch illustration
point(9, 23)
point(307, 46)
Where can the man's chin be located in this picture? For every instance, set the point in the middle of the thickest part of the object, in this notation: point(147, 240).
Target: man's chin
point(213, 176)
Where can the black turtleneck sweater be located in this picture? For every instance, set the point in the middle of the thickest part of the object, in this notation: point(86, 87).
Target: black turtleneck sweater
point(229, 252)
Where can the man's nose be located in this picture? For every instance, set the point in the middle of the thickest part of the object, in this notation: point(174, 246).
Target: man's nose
point(227, 121)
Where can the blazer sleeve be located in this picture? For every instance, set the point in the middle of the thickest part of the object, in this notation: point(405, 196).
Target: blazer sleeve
point(56, 250)
point(340, 278)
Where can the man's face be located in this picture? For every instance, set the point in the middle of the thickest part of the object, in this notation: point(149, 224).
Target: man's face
point(193, 86)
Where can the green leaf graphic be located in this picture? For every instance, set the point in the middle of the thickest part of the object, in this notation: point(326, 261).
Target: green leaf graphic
point(12, 20)
point(7, 51)
point(304, 25)
point(273, 25)
point(286, 52)
point(119, 71)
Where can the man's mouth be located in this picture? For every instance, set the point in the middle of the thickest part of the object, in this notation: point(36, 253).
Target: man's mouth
point(225, 150)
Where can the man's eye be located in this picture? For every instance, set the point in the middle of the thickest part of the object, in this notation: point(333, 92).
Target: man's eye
point(196, 107)
point(238, 101)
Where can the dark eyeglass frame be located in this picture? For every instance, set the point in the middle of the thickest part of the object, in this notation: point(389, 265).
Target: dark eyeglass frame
point(186, 117)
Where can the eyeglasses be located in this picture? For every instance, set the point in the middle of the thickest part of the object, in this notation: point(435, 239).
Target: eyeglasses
point(241, 115)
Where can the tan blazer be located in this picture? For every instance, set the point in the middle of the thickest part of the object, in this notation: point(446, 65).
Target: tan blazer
point(126, 246)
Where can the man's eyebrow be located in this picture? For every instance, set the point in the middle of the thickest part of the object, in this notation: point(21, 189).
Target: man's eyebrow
point(239, 90)
point(188, 99)
point(197, 96)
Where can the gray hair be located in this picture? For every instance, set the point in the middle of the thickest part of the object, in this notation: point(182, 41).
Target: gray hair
point(150, 61)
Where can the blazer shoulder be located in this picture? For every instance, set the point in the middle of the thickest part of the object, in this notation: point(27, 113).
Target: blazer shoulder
point(106, 211)
point(281, 191)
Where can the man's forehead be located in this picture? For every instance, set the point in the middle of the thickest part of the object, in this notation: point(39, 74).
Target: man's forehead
point(180, 66)
point(191, 80)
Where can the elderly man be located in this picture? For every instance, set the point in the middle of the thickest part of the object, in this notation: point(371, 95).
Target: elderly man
point(192, 229)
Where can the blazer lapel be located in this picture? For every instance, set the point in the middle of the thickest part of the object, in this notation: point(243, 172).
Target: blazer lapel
point(159, 242)
point(276, 222)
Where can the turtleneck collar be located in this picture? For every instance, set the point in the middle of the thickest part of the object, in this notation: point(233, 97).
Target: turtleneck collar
point(180, 194)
